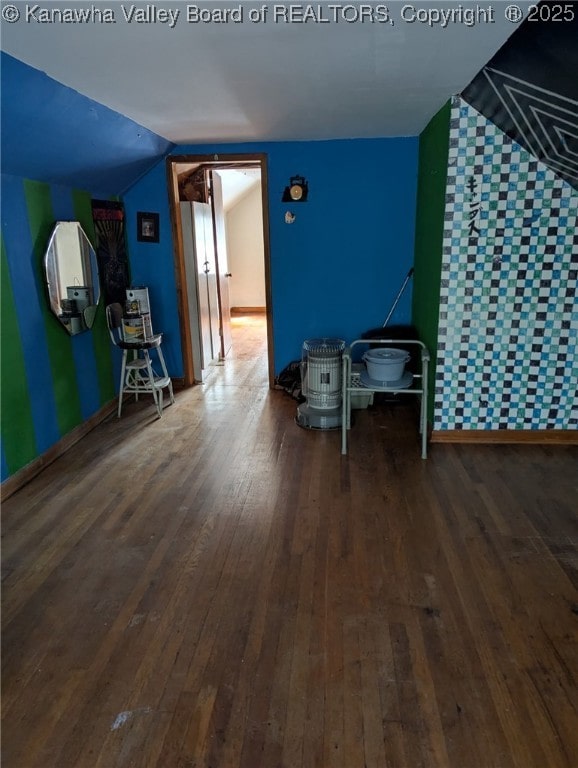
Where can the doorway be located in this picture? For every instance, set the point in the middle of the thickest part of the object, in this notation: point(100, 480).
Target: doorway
point(196, 180)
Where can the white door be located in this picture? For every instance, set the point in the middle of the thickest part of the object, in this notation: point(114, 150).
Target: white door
point(199, 262)
point(210, 271)
point(222, 262)
point(203, 268)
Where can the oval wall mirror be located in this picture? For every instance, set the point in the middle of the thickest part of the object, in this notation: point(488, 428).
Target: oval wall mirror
point(71, 271)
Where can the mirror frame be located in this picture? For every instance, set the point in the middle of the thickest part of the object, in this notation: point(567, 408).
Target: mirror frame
point(71, 277)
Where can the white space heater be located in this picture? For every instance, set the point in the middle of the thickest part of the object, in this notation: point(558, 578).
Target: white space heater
point(321, 372)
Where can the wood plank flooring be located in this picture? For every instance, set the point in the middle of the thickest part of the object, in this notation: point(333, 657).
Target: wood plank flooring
point(222, 589)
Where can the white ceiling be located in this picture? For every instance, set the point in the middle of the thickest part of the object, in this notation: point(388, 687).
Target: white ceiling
point(237, 184)
point(263, 81)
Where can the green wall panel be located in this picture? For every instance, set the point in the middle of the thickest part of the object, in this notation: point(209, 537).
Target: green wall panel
point(66, 395)
point(432, 177)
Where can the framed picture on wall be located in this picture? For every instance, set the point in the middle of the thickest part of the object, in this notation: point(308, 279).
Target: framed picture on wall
point(147, 227)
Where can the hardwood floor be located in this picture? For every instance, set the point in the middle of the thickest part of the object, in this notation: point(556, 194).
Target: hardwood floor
point(222, 588)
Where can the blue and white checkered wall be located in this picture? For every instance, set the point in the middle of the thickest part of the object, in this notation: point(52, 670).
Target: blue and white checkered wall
point(508, 323)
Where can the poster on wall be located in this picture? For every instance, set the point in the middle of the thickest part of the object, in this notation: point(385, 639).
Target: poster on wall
point(506, 346)
point(109, 224)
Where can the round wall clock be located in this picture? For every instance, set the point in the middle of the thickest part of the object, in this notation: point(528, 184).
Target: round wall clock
point(296, 191)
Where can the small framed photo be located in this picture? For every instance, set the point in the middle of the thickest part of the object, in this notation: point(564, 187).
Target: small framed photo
point(147, 227)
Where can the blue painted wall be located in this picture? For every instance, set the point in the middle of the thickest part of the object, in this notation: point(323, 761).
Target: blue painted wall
point(54, 134)
point(337, 270)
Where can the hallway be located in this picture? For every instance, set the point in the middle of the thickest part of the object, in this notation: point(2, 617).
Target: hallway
point(246, 363)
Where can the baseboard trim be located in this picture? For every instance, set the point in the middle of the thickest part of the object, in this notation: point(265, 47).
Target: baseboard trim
point(512, 436)
point(248, 310)
point(178, 383)
point(23, 476)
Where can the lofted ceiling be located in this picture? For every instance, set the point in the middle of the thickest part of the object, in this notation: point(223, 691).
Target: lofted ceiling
point(290, 72)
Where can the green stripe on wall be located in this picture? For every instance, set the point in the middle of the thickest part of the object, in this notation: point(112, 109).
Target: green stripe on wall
point(18, 437)
point(100, 338)
point(66, 394)
point(431, 199)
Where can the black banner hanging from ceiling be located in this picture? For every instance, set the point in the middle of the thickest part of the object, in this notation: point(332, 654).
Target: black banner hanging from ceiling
point(529, 89)
point(111, 253)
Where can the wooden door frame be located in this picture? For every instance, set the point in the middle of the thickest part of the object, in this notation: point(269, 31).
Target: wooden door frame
point(214, 162)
